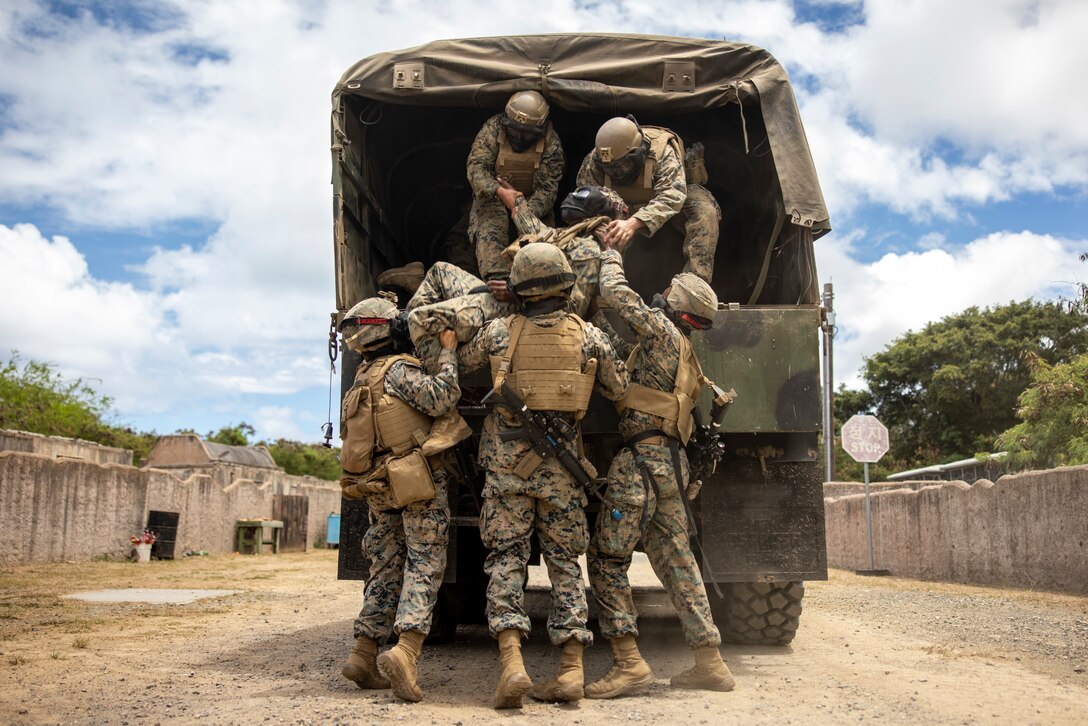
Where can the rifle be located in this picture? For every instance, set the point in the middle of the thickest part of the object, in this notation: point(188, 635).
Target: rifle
point(705, 447)
point(546, 431)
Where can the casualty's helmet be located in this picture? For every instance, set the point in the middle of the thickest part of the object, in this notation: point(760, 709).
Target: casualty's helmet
point(591, 201)
point(693, 300)
point(367, 326)
point(540, 269)
point(525, 120)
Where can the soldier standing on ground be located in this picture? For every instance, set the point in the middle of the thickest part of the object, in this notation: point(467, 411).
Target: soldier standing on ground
point(392, 457)
point(521, 147)
point(645, 165)
point(646, 483)
point(552, 359)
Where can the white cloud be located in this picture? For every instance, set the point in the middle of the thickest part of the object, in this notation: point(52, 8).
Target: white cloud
point(280, 422)
point(899, 292)
point(221, 114)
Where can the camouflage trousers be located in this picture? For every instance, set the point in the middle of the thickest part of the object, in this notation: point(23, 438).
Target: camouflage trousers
point(445, 300)
point(555, 509)
point(701, 216)
point(407, 552)
point(491, 231)
point(664, 539)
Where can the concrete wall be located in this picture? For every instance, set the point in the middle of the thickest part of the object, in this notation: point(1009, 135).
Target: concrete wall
point(61, 447)
point(54, 509)
point(1027, 530)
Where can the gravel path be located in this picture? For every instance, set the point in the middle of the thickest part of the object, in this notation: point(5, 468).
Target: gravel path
point(884, 650)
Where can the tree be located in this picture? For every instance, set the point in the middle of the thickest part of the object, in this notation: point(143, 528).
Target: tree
point(35, 397)
point(945, 393)
point(237, 435)
point(1054, 413)
point(312, 459)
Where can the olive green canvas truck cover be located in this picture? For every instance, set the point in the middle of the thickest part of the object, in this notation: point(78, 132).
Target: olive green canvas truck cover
point(402, 125)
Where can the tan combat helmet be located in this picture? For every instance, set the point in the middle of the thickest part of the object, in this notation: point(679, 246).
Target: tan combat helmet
point(618, 137)
point(693, 300)
point(540, 269)
point(527, 108)
point(367, 325)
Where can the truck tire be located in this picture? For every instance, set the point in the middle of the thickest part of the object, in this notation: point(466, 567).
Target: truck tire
point(758, 613)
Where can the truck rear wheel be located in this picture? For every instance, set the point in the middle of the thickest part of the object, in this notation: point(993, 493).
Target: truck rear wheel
point(758, 613)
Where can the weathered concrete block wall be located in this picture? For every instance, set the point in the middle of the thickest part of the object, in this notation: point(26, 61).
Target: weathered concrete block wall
point(64, 509)
point(1027, 530)
point(60, 447)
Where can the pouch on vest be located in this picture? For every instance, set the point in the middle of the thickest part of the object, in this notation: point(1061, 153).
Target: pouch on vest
point(410, 478)
point(357, 431)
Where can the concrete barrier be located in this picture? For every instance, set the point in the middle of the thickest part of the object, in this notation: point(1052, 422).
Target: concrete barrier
point(62, 447)
point(66, 509)
point(1027, 530)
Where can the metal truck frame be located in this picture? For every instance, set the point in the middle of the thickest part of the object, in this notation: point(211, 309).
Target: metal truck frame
point(402, 125)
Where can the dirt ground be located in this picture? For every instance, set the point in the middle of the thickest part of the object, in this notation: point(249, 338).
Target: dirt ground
point(885, 650)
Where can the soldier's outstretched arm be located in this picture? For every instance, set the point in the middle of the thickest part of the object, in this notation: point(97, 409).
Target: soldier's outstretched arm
point(670, 191)
point(433, 395)
point(481, 160)
point(588, 174)
point(618, 295)
point(476, 353)
point(547, 176)
point(526, 220)
point(612, 375)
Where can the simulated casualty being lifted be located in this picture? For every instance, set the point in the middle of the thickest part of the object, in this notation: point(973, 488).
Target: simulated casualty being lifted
point(721, 232)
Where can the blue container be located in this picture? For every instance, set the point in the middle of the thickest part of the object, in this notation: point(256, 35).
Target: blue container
point(332, 531)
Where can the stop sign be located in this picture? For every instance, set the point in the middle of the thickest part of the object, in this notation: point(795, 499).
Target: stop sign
point(865, 439)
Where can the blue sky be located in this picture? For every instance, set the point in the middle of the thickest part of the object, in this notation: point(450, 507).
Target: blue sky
point(150, 241)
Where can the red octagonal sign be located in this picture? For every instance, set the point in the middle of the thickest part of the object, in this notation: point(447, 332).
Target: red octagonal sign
point(865, 439)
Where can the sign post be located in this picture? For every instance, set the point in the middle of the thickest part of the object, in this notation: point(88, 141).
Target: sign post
point(866, 440)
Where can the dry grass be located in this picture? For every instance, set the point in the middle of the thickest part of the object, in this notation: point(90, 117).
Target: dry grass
point(81, 643)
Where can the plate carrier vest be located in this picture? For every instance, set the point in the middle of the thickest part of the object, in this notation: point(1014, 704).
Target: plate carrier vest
point(675, 407)
point(639, 192)
point(519, 167)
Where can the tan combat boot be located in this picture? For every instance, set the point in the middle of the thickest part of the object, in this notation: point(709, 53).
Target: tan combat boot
point(630, 675)
point(566, 685)
point(361, 667)
point(514, 682)
point(447, 431)
point(409, 277)
point(710, 673)
point(399, 665)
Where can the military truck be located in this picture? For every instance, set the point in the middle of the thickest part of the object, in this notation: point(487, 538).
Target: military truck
point(402, 125)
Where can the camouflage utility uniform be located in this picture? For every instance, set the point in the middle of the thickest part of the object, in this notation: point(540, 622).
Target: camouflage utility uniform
point(489, 222)
point(631, 510)
point(407, 546)
point(451, 298)
point(671, 195)
point(548, 501)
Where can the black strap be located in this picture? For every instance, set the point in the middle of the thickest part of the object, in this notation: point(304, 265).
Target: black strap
point(546, 281)
point(647, 434)
point(674, 449)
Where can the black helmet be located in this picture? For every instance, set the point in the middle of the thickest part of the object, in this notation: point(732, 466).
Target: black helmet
point(591, 201)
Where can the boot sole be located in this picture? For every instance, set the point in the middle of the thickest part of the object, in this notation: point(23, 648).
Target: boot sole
point(562, 694)
point(635, 688)
point(398, 679)
point(518, 688)
point(721, 687)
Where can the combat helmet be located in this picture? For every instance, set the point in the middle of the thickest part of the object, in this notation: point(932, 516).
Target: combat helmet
point(368, 324)
point(693, 300)
point(525, 120)
point(539, 270)
point(591, 201)
point(620, 149)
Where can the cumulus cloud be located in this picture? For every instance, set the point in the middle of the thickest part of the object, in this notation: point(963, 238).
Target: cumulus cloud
point(126, 119)
point(899, 292)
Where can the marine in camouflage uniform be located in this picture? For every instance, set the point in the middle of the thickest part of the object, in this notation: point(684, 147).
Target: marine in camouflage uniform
point(666, 193)
point(510, 145)
point(387, 413)
point(451, 298)
point(519, 499)
point(646, 482)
